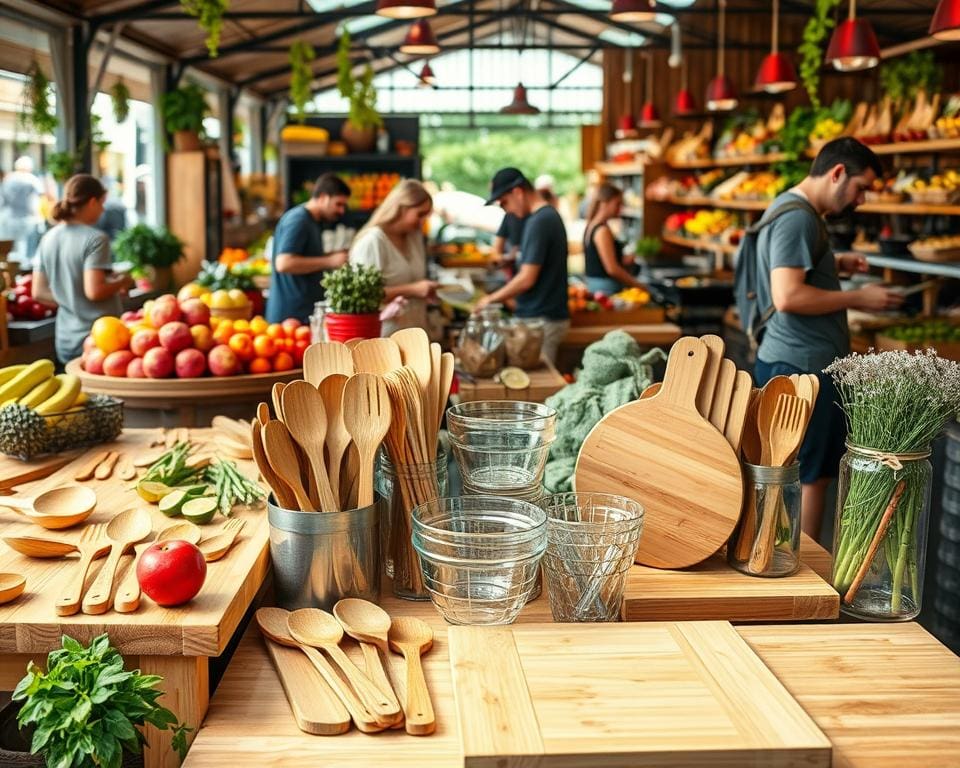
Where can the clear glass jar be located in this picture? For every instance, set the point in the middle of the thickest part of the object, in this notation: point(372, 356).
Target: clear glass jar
point(404, 488)
point(524, 342)
point(767, 540)
point(317, 331)
point(880, 534)
point(482, 346)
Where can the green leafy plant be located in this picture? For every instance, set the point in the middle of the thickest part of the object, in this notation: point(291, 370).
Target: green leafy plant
point(183, 109)
point(97, 137)
point(35, 112)
point(87, 710)
point(301, 54)
point(63, 165)
point(354, 289)
point(902, 78)
point(359, 91)
point(120, 96)
point(209, 14)
point(648, 248)
point(144, 246)
point(216, 276)
point(811, 49)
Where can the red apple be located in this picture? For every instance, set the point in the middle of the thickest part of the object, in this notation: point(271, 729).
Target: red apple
point(190, 364)
point(93, 361)
point(135, 369)
point(171, 572)
point(129, 317)
point(115, 364)
point(158, 363)
point(202, 337)
point(223, 361)
point(163, 312)
point(290, 325)
point(89, 344)
point(175, 336)
point(144, 339)
point(195, 312)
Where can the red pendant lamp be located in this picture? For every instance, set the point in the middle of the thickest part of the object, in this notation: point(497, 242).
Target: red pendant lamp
point(427, 78)
point(406, 9)
point(853, 46)
point(649, 114)
point(519, 105)
point(945, 24)
point(721, 95)
point(633, 10)
point(420, 39)
point(776, 73)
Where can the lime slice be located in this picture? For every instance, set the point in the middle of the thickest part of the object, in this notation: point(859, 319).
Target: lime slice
point(152, 492)
point(171, 503)
point(200, 511)
point(514, 378)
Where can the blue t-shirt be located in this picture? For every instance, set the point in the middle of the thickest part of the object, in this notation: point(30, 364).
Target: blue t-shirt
point(545, 244)
point(511, 230)
point(295, 295)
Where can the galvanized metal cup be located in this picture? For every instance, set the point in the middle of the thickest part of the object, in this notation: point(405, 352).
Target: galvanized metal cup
point(322, 557)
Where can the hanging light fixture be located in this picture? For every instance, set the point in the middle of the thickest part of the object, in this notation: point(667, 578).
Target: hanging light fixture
point(420, 39)
point(633, 10)
point(649, 114)
point(721, 95)
point(853, 46)
point(519, 105)
point(776, 73)
point(945, 24)
point(685, 103)
point(406, 9)
point(427, 78)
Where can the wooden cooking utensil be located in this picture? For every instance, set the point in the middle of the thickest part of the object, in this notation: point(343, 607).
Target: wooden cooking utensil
point(86, 470)
point(750, 445)
point(125, 530)
point(722, 393)
point(234, 429)
point(127, 598)
point(218, 545)
point(794, 379)
point(438, 398)
point(34, 546)
point(650, 391)
point(769, 396)
point(705, 394)
point(282, 492)
point(263, 413)
point(330, 702)
point(93, 544)
point(376, 356)
point(105, 468)
point(338, 439)
point(306, 420)
point(411, 638)
point(125, 468)
point(311, 626)
point(324, 358)
point(55, 509)
point(283, 457)
point(678, 466)
point(369, 625)
point(415, 353)
point(147, 458)
point(11, 586)
point(366, 416)
point(446, 381)
point(352, 343)
point(804, 388)
point(275, 395)
point(737, 416)
point(814, 385)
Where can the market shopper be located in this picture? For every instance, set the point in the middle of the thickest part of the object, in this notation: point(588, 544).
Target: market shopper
point(300, 257)
point(540, 285)
point(506, 243)
point(797, 276)
point(393, 242)
point(74, 269)
point(605, 267)
point(20, 206)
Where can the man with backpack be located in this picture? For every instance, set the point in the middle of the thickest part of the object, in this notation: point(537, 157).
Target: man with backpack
point(790, 300)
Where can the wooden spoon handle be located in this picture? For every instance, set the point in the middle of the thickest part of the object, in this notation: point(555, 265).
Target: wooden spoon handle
point(328, 503)
point(17, 505)
point(762, 553)
point(85, 471)
point(365, 494)
point(419, 710)
point(97, 599)
point(69, 602)
point(375, 671)
point(105, 468)
point(383, 709)
point(362, 718)
point(127, 599)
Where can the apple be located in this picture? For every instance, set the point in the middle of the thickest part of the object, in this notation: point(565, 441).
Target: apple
point(135, 369)
point(158, 363)
point(190, 363)
point(175, 336)
point(223, 361)
point(144, 339)
point(163, 312)
point(202, 337)
point(129, 317)
point(88, 344)
point(171, 572)
point(93, 361)
point(290, 325)
point(115, 364)
point(195, 312)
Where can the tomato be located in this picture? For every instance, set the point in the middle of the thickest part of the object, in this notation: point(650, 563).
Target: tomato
point(171, 572)
point(260, 365)
point(242, 345)
point(283, 362)
point(264, 346)
point(275, 331)
point(258, 325)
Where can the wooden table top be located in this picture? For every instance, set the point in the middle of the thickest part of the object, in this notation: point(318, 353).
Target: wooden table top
point(202, 627)
point(544, 382)
point(648, 335)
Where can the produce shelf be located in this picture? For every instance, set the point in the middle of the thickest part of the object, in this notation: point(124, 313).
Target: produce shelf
point(731, 162)
point(908, 209)
point(914, 147)
point(621, 169)
point(917, 267)
point(734, 205)
point(703, 244)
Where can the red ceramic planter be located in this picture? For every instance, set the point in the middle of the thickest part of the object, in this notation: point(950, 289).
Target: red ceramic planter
point(346, 327)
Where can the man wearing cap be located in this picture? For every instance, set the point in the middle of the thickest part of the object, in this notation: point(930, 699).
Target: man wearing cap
point(540, 285)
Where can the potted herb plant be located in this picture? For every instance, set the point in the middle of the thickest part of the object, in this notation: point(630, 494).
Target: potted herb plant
point(354, 294)
point(151, 253)
point(359, 131)
point(86, 709)
point(183, 111)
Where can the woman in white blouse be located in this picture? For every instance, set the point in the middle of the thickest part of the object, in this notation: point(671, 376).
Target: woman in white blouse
point(393, 242)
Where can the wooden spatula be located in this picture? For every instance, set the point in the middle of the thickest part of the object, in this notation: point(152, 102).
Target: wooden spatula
point(778, 385)
point(306, 419)
point(338, 439)
point(722, 393)
point(284, 458)
point(446, 381)
point(705, 395)
point(376, 356)
point(276, 394)
point(366, 416)
point(281, 491)
point(415, 353)
point(324, 358)
point(737, 415)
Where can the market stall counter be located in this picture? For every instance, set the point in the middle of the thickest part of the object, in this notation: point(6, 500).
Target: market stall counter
point(543, 382)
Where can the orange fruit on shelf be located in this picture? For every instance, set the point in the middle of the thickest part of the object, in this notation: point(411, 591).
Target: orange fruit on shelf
point(302, 333)
point(260, 365)
point(242, 345)
point(300, 348)
point(290, 325)
point(110, 334)
point(258, 325)
point(288, 345)
point(223, 332)
point(275, 331)
point(241, 326)
point(264, 346)
point(283, 362)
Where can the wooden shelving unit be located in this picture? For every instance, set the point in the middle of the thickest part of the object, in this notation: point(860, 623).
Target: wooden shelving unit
point(621, 169)
point(702, 244)
point(730, 162)
point(908, 209)
point(917, 147)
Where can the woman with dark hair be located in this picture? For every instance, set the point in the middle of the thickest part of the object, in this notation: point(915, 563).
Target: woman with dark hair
point(74, 268)
point(603, 254)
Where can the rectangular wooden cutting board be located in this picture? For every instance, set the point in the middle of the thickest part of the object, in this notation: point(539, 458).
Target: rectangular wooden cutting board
point(680, 695)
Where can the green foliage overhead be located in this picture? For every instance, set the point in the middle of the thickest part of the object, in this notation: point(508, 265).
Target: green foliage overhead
point(63, 165)
point(902, 78)
point(209, 14)
point(354, 289)
point(35, 112)
point(87, 709)
point(359, 91)
point(811, 49)
point(184, 109)
point(301, 54)
point(143, 246)
point(120, 96)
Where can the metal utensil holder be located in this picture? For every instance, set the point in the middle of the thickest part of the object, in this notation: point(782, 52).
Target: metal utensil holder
point(767, 539)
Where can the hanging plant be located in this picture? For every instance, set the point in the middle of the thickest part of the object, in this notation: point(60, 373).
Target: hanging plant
point(359, 91)
point(97, 136)
point(209, 13)
point(35, 112)
point(902, 78)
point(120, 96)
point(301, 54)
point(63, 165)
point(811, 49)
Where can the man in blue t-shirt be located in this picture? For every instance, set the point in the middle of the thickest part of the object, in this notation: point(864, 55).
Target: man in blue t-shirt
point(300, 257)
point(540, 285)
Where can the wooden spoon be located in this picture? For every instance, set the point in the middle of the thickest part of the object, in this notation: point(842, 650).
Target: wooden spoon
point(57, 508)
point(127, 598)
point(282, 492)
point(306, 420)
point(263, 413)
point(750, 445)
point(125, 468)
point(376, 356)
point(283, 457)
point(86, 470)
point(338, 439)
point(218, 545)
point(125, 530)
point(769, 396)
point(105, 469)
point(446, 381)
point(366, 416)
point(311, 626)
point(11, 586)
point(325, 358)
point(415, 353)
point(275, 395)
point(93, 544)
point(34, 546)
point(369, 625)
point(411, 637)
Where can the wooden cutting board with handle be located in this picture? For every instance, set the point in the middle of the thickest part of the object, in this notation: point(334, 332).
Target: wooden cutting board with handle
point(671, 460)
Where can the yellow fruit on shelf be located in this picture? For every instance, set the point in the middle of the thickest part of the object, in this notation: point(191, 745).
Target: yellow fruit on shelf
point(35, 373)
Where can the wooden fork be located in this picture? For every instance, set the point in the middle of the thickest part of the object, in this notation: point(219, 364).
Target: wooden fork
point(217, 546)
point(93, 544)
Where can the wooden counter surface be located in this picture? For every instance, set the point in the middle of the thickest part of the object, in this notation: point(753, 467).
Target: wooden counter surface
point(652, 335)
point(544, 382)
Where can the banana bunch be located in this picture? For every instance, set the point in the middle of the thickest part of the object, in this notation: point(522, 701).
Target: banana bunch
point(36, 387)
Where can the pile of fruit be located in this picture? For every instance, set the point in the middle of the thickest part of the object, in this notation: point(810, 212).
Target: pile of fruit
point(21, 305)
point(35, 386)
point(930, 330)
point(581, 299)
point(941, 188)
point(632, 297)
point(826, 129)
point(368, 190)
point(763, 185)
point(171, 337)
point(223, 284)
point(707, 223)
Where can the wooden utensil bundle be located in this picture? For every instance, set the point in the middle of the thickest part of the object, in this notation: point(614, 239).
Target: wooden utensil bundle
point(326, 696)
